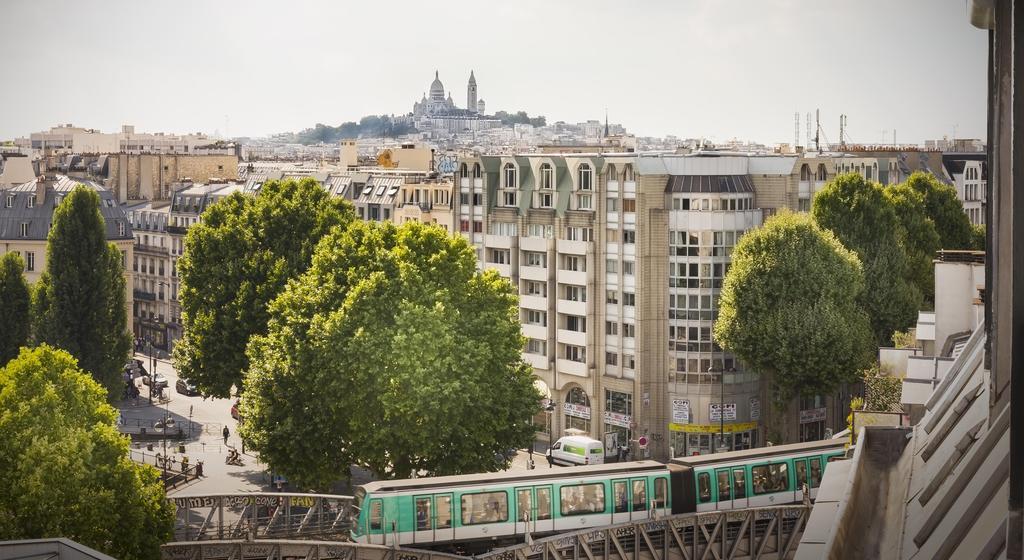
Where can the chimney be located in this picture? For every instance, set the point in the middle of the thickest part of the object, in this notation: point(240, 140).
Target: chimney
point(41, 184)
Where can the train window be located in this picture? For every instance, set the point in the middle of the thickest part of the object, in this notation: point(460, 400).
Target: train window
point(582, 499)
point(376, 515)
point(524, 501)
point(724, 488)
point(770, 478)
point(639, 495)
point(543, 503)
point(444, 512)
point(484, 507)
point(621, 496)
point(660, 492)
point(704, 486)
point(739, 479)
point(815, 472)
point(801, 473)
point(422, 514)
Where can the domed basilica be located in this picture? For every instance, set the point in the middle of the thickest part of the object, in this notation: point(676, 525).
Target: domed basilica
point(437, 104)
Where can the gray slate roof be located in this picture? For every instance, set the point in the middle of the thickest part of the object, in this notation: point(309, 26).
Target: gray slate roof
point(39, 217)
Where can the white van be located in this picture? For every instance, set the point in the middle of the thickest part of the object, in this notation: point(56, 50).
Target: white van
point(576, 450)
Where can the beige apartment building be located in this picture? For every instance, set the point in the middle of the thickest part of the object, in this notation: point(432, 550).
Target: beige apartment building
point(26, 214)
point(618, 259)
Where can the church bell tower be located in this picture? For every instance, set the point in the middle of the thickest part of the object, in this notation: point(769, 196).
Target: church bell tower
point(471, 93)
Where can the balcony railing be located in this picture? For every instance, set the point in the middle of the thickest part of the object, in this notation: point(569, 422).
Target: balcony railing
point(144, 295)
point(152, 249)
point(176, 229)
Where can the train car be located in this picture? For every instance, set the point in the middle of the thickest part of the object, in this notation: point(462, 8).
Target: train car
point(501, 508)
point(754, 477)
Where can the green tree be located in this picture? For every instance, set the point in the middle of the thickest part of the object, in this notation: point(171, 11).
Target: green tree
point(66, 468)
point(921, 239)
point(15, 304)
point(978, 237)
point(414, 358)
point(944, 208)
point(865, 221)
point(83, 309)
point(236, 261)
point(788, 308)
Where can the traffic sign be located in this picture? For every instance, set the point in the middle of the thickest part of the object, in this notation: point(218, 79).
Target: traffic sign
point(642, 442)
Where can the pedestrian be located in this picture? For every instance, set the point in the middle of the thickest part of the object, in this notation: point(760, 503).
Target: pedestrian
point(199, 469)
point(226, 433)
point(551, 460)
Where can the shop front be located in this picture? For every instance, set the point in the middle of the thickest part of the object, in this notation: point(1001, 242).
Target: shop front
point(576, 409)
point(701, 439)
point(618, 421)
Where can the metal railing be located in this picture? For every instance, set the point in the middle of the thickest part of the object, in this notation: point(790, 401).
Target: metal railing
point(261, 516)
point(309, 550)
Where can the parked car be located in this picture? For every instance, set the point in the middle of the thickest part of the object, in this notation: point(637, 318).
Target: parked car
point(234, 411)
point(157, 379)
point(185, 388)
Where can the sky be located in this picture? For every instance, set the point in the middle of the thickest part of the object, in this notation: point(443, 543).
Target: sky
point(712, 69)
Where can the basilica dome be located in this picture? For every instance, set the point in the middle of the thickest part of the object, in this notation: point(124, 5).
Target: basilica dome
point(437, 89)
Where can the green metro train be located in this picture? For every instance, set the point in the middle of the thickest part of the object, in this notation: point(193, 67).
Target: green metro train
point(504, 507)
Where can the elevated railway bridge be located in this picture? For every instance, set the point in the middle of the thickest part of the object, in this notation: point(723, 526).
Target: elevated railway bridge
point(279, 526)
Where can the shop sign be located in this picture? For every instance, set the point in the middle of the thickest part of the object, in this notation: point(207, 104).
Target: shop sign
point(712, 428)
point(714, 410)
point(616, 419)
point(680, 410)
point(812, 415)
point(755, 408)
point(577, 410)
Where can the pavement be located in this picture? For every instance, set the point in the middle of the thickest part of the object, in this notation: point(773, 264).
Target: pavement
point(204, 441)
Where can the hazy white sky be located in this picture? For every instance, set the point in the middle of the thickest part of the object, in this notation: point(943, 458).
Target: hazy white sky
point(719, 69)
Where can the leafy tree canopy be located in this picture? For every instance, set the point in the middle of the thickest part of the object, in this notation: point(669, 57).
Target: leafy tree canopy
point(789, 308)
point(865, 221)
point(368, 126)
point(921, 238)
point(945, 209)
point(15, 304)
point(236, 261)
point(520, 117)
point(978, 237)
point(66, 467)
point(412, 354)
point(83, 306)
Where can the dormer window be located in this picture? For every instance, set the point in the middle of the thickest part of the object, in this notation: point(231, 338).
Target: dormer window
point(547, 176)
point(31, 202)
point(120, 229)
point(24, 229)
point(585, 177)
point(509, 173)
point(10, 201)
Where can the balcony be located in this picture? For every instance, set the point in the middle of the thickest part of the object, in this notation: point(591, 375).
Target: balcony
point(537, 361)
point(503, 269)
point(533, 302)
point(533, 243)
point(572, 337)
point(499, 241)
point(572, 307)
point(144, 295)
point(539, 332)
point(570, 247)
point(572, 277)
point(140, 247)
point(572, 368)
point(536, 273)
point(179, 230)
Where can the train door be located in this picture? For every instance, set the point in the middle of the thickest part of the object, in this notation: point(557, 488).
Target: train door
point(638, 498)
point(629, 500)
point(433, 519)
point(545, 522)
point(375, 533)
point(800, 469)
point(723, 483)
point(739, 488)
point(620, 501)
point(526, 511)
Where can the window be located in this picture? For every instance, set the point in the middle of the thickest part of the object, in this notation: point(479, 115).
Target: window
point(611, 296)
point(464, 170)
point(376, 515)
point(660, 492)
point(535, 258)
point(534, 317)
point(621, 502)
point(581, 499)
point(30, 261)
point(639, 495)
point(524, 505)
point(476, 170)
point(612, 205)
point(628, 267)
point(628, 330)
point(537, 346)
point(575, 293)
point(478, 226)
point(120, 228)
point(498, 256)
point(586, 177)
point(575, 323)
point(547, 176)
point(815, 472)
point(10, 201)
point(629, 236)
point(463, 224)
point(509, 229)
point(579, 234)
point(611, 266)
point(31, 202)
point(611, 327)
point(478, 199)
point(627, 173)
point(801, 473)
point(545, 200)
point(509, 173)
point(540, 230)
point(585, 202)
point(423, 504)
point(724, 487)
point(24, 229)
point(628, 299)
point(629, 205)
point(770, 478)
point(611, 358)
point(444, 512)
point(612, 235)
point(704, 487)
point(628, 361)
point(534, 288)
point(574, 263)
point(575, 353)
point(739, 477)
point(484, 507)
point(509, 198)
point(464, 199)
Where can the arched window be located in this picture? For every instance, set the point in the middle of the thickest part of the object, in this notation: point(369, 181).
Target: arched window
point(464, 170)
point(547, 176)
point(610, 173)
point(822, 174)
point(627, 173)
point(509, 172)
point(585, 177)
point(805, 172)
point(578, 412)
point(476, 170)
